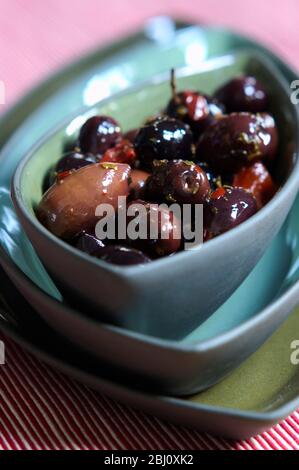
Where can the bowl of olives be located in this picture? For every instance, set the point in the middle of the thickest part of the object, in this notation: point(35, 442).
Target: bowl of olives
point(224, 140)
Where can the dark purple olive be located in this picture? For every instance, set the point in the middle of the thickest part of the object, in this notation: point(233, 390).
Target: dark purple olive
point(122, 255)
point(70, 205)
point(75, 160)
point(163, 139)
point(115, 254)
point(237, 140)
point(138, 179)
point(72, 160)
point(195, 109)
point(227, 208)
point(98, 134)
point(177, 181)
point(243, 94)
point(89, 244)
point(166, 240)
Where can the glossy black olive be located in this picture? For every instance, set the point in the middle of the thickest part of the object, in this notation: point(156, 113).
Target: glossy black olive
point(214, 179)
point(88, 243)
point(122, 255)
point(243, 94)
point(195, 109)
point(237, 140)
point(98, 134)
point(227, 208)
point(177, 181)
point(115, 254)
point(164, 138)
point(72, 160)
point(75, 160)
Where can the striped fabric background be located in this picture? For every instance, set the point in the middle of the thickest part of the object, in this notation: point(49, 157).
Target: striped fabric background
point(40, 408)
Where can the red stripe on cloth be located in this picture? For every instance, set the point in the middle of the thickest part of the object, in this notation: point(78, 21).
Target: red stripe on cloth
point(242, 446)
point(21, 405)
point(7, 441)
point(291, 428)
point(281, 431)
point(43, 399)
point(73, 408)
point(43, 409)
point(262, 441)
point(278, 440)
point(11, 431)
point(91, 411)
point(69, 406)
point(97, 410)
point(132, 430)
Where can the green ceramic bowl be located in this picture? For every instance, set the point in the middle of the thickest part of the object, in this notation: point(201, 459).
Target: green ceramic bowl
point(258, 394)
point(168, 297)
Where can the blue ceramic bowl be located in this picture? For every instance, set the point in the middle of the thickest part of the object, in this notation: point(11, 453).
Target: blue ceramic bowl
point(169, 297)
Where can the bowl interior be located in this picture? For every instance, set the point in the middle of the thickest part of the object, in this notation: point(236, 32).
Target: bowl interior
point(130, 110)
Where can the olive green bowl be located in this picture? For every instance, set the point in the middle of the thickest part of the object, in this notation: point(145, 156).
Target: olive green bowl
point(168, 297)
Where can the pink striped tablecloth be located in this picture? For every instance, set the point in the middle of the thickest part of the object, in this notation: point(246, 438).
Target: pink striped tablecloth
point(40, 408)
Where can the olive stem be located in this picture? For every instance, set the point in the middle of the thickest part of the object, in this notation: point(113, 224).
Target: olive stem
point(173, 85)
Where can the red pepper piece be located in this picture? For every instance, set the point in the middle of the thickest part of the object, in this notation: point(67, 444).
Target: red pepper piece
point(257, 180)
